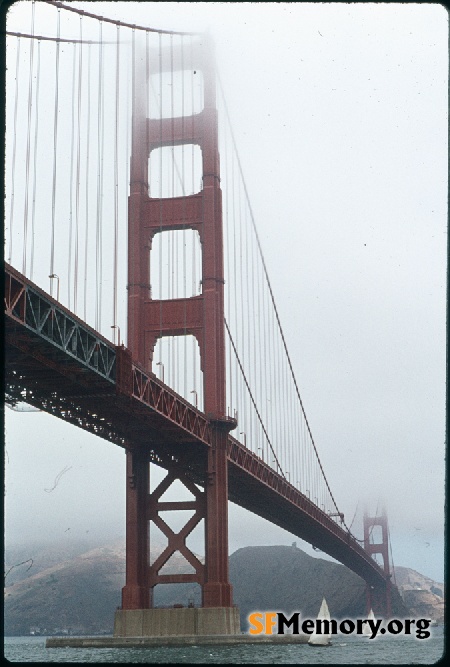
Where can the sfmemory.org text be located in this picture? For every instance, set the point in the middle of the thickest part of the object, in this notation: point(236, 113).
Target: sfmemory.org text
point(275, 622)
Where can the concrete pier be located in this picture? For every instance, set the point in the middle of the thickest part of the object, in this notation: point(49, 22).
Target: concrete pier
point(177, 621)
point(187, 640)
point(213, 626)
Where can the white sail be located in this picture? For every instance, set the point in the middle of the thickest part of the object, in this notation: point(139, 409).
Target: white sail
point(367, 632)
point(321, 639)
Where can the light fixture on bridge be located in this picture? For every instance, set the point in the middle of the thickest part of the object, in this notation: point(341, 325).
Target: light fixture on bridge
point(196, 397)
point(245, 438)
point(160, 363)
point(116, 326)
point(51, 276)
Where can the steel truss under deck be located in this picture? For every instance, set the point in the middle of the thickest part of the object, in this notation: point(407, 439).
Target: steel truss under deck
point(59, 364)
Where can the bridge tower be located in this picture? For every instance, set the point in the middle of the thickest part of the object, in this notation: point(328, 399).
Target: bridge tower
point(378, 598)
point(201, 316)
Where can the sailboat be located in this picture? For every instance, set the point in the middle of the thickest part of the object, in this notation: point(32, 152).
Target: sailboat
point(367, 632)
point(322, 639)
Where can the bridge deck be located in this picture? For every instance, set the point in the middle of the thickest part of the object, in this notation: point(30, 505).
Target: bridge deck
point(56, 362)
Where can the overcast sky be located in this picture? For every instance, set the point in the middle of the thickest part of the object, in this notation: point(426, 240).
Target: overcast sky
point(340, 118)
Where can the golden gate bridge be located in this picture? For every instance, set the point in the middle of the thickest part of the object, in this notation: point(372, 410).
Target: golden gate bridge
point(138, 304)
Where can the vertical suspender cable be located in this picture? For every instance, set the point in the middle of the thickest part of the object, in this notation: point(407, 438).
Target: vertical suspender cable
point(288, 416)
point(242, 316)
point(72, 144)
point(14, 149)
point(283, 412)
point(55, 148)
point(261, 364)
point(36, 132)
point(254, 346)
point(235, 277)
point(281, 400)
point(131, 323)
point(171, 193)
point(276, 415)
point(272, 298)
point(184, 258)
point(267, 358)
point(128, 142)
point(147, 144)
point(98, 244)
point(160, 153)
point(251, 370)
point(27, 159)
point(229, 275)
point(77, 183)
point(116, 183)
point(193, 190)
point(88, 137)
point(391, 568)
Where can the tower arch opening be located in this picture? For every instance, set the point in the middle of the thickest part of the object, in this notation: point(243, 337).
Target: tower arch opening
point(176, 264)
point(175, 170)
point(176, 361)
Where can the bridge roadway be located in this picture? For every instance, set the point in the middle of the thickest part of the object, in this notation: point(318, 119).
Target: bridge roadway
point(57, 363)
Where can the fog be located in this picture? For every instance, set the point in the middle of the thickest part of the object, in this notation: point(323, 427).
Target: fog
point(340, 118)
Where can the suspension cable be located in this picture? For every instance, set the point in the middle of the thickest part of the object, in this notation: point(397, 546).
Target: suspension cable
point(273, 300)
point(354, 516)
point(116, 22)
point(51, 39)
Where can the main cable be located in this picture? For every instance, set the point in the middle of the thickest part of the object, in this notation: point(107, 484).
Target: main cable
point(104, 19)
point(274, 304)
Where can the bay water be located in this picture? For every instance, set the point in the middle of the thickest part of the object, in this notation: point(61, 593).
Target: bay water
point(399, 650)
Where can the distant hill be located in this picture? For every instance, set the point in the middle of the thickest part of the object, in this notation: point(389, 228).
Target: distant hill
point(423, 596)
point(283, 578)
point(23, 561)
point(79, 591)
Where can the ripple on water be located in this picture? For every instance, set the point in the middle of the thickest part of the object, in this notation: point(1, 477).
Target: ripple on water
point(354, 650)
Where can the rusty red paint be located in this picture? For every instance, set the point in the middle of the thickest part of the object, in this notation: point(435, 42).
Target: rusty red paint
point(143, 415)
point(201, 316)
point(379, 596)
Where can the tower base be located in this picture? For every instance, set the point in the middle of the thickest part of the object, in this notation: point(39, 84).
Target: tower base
point(177, 622)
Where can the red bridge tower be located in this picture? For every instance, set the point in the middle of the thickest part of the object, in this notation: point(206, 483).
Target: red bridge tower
point(201, 316)
point(376, 598)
